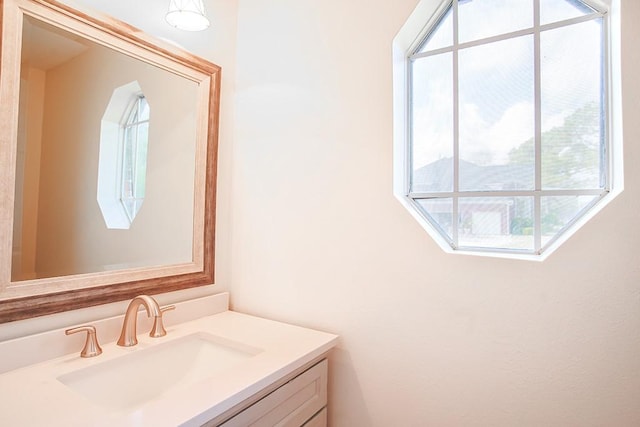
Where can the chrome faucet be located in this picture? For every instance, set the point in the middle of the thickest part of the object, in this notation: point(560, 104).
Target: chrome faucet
point(128, 336)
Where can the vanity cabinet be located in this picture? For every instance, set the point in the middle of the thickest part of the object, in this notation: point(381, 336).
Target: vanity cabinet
point(318, 420)
point(298, 400)
point(222, 369)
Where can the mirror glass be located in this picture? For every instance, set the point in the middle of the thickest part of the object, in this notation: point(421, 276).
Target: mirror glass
point(67, 84)
point(108, 151)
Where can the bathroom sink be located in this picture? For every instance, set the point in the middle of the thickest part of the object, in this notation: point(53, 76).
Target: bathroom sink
point(203, 369)
point(128, 381)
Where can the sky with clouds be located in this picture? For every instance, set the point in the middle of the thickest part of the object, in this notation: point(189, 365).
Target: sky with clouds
point(496, 81)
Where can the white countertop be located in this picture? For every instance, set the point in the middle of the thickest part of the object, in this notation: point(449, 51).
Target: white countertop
point(33, 396)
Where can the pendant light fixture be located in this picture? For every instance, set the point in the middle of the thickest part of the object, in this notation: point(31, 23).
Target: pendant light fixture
point(187, 15)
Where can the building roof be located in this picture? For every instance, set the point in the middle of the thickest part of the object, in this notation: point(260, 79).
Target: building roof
point(438, 176)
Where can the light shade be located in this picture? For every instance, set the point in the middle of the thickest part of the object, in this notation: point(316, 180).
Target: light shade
point(187, 15)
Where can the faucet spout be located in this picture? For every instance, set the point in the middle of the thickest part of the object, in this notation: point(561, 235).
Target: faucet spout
point(128, 336)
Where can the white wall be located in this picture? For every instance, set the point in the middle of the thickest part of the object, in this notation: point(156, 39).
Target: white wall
point(428, 339)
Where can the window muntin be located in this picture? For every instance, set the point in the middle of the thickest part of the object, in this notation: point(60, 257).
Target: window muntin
point(517, 152)
point(478, 19)
point(441, 36)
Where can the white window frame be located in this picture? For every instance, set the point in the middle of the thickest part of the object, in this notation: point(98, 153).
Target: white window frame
point(411, 36)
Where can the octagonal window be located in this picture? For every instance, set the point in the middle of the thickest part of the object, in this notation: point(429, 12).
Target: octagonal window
point(507, 146)
point(122, 166)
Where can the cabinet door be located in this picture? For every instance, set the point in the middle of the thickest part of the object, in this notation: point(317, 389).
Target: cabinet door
point(319, 420)
point(290, 405)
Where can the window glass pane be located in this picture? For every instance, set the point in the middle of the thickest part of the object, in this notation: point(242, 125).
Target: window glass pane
point(440, 211)
point(572, 120)
point(559, 211)
point(559, 10)
point(128, 162)
point(133, 115)
point(496, 222)
point(442, 35)
point(129, 207)
point(496, 110)
point(144, 109)
point(432, 124)
point(141, 160)
point(485, 18)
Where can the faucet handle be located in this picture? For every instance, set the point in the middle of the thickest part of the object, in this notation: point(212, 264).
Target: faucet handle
point(158, 330)
point(91, 347)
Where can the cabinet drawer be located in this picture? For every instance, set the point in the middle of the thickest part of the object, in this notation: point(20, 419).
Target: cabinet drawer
point(291, 405)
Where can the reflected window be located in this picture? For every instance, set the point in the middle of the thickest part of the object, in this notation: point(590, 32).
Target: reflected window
point(122, 170)
point(134, 156)
point(508, 144)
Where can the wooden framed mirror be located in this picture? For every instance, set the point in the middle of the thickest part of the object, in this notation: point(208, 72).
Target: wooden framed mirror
point(70, 156)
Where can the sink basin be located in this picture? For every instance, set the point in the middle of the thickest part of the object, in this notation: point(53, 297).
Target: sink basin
point(125, 383)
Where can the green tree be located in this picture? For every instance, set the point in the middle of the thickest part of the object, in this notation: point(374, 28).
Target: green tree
point(571, 156)
point(571, 153)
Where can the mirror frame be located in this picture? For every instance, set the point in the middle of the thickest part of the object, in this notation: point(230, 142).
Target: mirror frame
point(32, 298)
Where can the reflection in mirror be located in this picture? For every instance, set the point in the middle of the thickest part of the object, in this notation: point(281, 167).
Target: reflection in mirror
point(70, 150)
point(67, 84)
point(124, 144)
